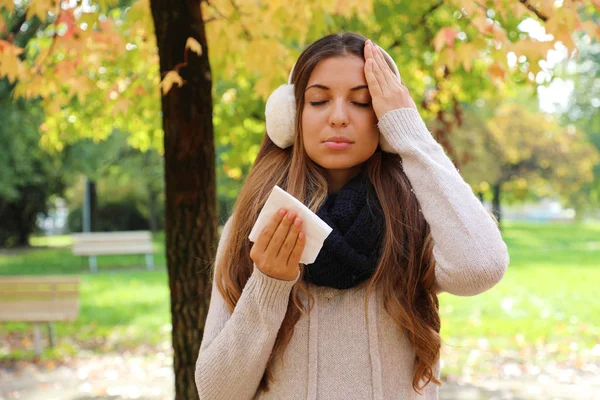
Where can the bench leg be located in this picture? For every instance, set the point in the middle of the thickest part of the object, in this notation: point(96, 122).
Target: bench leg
point(51, 334)
point(37, 337)
point(149, 261)
point(93, 264)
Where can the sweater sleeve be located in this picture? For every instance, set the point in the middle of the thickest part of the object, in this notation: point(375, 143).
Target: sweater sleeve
point(469, 251)
point(236, 346)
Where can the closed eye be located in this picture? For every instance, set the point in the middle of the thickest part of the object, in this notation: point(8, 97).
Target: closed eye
point(320, 103)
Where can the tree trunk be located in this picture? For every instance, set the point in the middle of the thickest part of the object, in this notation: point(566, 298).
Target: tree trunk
point(496, 202)
point(153, 194)
point(152, 209)
point(190, 182)
point(93, 206)
point(25, 226)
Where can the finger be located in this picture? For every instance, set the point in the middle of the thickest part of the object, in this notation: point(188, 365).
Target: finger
point(383, 67)
point(368, 51)
point(379, 77)
point(372, 82)
point(290, 240)
point(386, 72)
point(298, 249)
point(280, 234)
point(267, 233)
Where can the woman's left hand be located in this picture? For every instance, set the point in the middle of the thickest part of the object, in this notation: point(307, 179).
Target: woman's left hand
point(387, 91)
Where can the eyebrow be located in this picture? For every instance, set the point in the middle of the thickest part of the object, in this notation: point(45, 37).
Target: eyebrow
point(317, 85)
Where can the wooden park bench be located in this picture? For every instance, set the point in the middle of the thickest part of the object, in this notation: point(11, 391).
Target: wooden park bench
point(39, 300)
point(93, 244)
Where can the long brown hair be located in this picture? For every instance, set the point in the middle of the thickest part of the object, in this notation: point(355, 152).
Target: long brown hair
point(406, 267)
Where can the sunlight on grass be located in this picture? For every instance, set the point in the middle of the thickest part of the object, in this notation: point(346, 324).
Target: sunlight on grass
point(118, 311)
point(545, 299)
point(51, 241)
point(39, 260)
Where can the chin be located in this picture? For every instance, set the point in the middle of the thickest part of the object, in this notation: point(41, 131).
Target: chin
point(339, 162)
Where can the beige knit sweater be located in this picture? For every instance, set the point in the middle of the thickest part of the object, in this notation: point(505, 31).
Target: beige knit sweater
point(334, 353)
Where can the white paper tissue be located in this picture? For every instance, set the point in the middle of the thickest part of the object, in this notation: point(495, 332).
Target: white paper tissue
point(315, 228)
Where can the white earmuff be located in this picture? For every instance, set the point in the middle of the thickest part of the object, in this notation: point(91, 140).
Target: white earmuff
point(280, 112)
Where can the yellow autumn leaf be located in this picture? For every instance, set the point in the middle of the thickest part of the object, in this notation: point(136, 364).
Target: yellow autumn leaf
point(194, 46)
point(79, 86)
point(565, 36)
point(481, 23)
point(122, 106)
point(40, 9)
point(496, 71)
point(447, 57)
point(171, 78)
point(592, 29)
point(465, 53)
point(561, 26)
point(10, 64)
point(9, 47)
point(139, 9)
point(9, 5)
point(519, 10)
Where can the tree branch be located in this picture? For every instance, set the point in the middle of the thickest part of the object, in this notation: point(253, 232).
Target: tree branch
point(40, 64)
point(421, 20)
point(219, 15)
point(534, 10)
point(244, 28)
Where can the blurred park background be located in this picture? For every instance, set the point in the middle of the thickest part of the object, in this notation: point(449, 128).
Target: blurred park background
point(145, 115)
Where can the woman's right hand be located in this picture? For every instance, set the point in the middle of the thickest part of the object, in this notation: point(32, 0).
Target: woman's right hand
point(279, 246)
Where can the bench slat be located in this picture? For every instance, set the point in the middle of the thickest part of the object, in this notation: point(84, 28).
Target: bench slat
point(10, 279)
point(94, 250)
point(49, 294)
point(39, 311)
point(19, 316)
point(112, 236)
point(39, 280)
point(104, 242)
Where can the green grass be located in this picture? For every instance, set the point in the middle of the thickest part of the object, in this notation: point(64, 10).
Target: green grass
point(53, 255)
point(121, 306)
point(547, 298)
point(118, 311)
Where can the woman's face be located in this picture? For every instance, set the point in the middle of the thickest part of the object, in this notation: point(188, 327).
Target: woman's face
point(337, 103)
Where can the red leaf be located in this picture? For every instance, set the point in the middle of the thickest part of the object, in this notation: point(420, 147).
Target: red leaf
point(67, 18)
point(444, 38)
point(450, 34)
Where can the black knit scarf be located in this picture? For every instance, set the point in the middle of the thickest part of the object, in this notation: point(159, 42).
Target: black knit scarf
point(351, 252)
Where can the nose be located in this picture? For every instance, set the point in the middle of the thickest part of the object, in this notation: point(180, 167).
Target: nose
point(339, 114)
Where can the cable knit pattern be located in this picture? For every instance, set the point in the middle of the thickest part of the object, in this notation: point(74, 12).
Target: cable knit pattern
point(335, 351)
point(470, 253)
point(241, 341)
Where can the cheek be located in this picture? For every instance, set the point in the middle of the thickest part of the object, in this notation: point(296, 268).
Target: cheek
point(308, 130)
point(310, 125)
point(371, 141)
point(370, 129)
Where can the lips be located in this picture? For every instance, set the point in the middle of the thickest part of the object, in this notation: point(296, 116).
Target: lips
point(338, 143)
point(338, 139)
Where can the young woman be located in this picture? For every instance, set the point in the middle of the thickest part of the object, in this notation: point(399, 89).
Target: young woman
point(362, 321)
